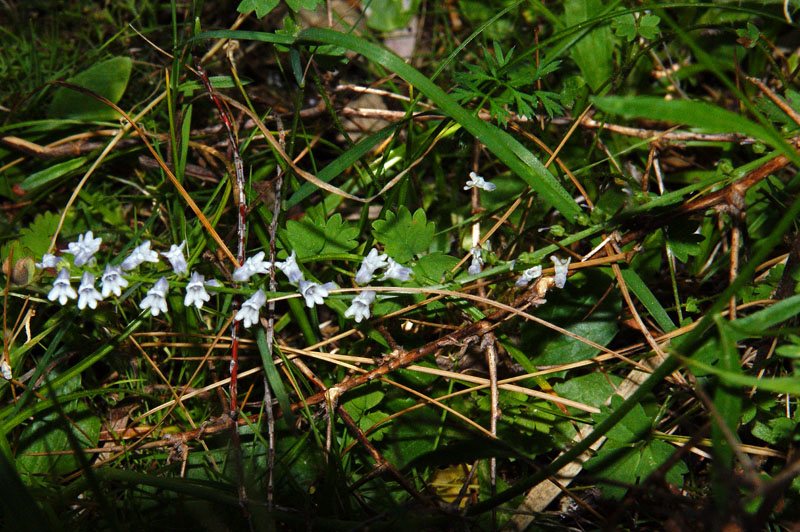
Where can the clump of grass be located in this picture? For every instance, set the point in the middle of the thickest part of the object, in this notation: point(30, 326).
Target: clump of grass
point(562, 250)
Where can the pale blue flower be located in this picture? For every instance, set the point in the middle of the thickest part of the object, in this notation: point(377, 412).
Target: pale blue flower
point(196, 291)
point(290, 268)
point(561, 266)
point(359, 308)
point(369, 264)
point(141, 253)
point(5, 369)
point(156, 298)
point(48, 261)
point(249, 311)
point(477, 181)
point(477, 261)
point(529, 275)
point(176, 258)
point(253, 265)
point(315, 293)
point(112, 281)
point(61, 288)
point(396, 271)
point(87, 293)
point(84, 249)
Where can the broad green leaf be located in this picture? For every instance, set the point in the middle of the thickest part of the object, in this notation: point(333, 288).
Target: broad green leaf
point(403, 235)
point(274, 378)
point(312, 236)
point(630, 454)
point(648, 26)
point(593, 389)
point(625, 27)
point(261, 7)
point(108, 78)
point(593, 53)
point(43, 177)
point(389, 15)
point(430, 268)
point(297, 5)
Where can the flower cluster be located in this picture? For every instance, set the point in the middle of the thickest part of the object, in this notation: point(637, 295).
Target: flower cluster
point(113, 281)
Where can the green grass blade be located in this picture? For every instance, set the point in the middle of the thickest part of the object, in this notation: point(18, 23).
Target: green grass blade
point(646, 297)
point(274, 377)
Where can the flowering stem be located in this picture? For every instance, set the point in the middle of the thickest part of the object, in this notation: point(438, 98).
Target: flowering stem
point(240, 255)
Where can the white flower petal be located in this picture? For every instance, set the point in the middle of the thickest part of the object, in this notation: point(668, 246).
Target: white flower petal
point(140, 254)
point(176, 258)
point(529, 275)
point(290, 268)
point(61, 288)
point(396, 271)
point(156, 298)
point(359, 308)
point(249, 311)
point(477, 181)
point(196, 292)
point(112, 281)
point(561, 267)
point(87, 293)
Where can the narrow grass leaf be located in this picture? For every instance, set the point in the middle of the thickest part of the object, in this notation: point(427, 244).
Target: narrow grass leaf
point(43, 177)
point(274, 377)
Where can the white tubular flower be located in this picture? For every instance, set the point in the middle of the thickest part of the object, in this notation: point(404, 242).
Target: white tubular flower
point(315, 293)
point(253, 265)
point(371, 262)
point(561, 266)
point(212, 283)
point(290, 268)
point(529, 275)
point(87, 293)
point(476, 181)
point(155, 300)
point(84, 249)
point(477, 261)
point(140, 254)
point(249, 311)
point(196, 292)
point(5, 369)
point(176, 258)
point(61, 288)
point(396, 271)
point(359, 308)
point(112, 281)
point(48, 261)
